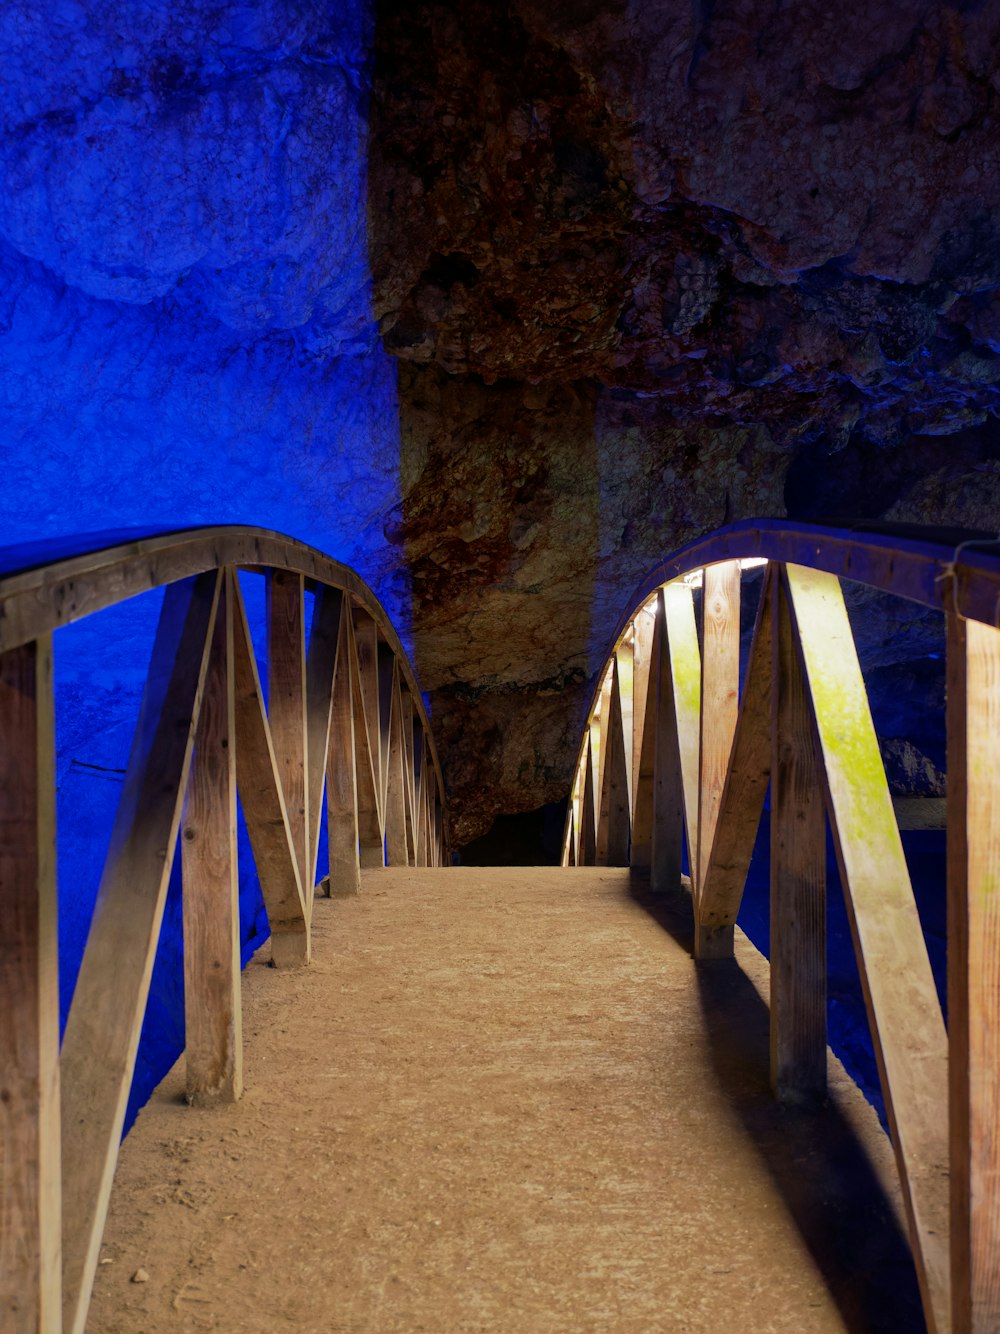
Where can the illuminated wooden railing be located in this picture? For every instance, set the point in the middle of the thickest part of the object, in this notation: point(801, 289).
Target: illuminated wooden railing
point(670, 753)
point(342, 701)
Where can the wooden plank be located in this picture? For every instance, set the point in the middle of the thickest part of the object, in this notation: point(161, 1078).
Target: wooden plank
point(30, 1172)
point(286, 706)
point(321, 666)
point(613, 820)
point(903, 1011)
point(367, 749)
point(341, 772)
point(422, 781)
point(264, 805)
point(742, 797)
point(665, 713)
point(643, 746)
point(386, 664)
point(409, 773)
point(684, 661)
point(397, 852)
point(973, 714)
point(213, 1027)
point(588, 813)
point(105, 1019)
point(798, 876)
point(720, 688)
point(625, 673)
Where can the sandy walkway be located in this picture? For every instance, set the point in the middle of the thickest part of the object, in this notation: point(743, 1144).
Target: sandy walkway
point(504, 1100)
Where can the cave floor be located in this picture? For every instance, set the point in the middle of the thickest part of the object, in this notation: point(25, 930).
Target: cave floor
point(505, 1100)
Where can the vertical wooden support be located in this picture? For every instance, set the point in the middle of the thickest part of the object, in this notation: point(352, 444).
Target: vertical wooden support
point(102, 1033)
point(682, 686)
point(264, 805)
point(798, 876)
point(644, 705)
point(410, 771)
point(613, 820)
point(903, 1011)
point(667, 789)
point(30, 1179)
point(973, 713)
point(588, 812)
point(386, 672)
point(395, 799)
point(286, 707)
point(367, 733)
point(625, 672)
point(720, 689)
point(213, 1020)
point(341, 772)
point(321, 667)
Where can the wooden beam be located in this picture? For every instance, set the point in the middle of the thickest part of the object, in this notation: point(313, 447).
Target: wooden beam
point(973, 715)
point(613, 821)
point(625, 674)
point(263, 801)
point(588, 813)
point(386, 664)
point(105, 1019)
point(321, 667)
point(366, 736)
point(341, 773)
point(30, 1173)
point(643, 744)
point(213, 1030)
point(667, 785)
point(720, 688)
point(742, 797)
point(903, 1011)
point(397, 852)
point(286, 707)
point(798, 876)
point(409, 772)
point(684, 665)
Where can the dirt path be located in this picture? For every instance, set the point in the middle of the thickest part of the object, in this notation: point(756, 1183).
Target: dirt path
point(504, 1100)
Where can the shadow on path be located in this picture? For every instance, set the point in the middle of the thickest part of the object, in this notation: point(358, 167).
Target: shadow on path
point(814, 1157)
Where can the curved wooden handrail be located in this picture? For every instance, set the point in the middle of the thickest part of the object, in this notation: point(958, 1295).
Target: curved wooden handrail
point(344, 714)
point(672, 756)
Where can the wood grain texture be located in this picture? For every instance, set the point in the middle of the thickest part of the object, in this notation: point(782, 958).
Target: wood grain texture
point(625, 673)
point(263, 801)
point(341, 773)
point(745, 786)
point(286, 707)
point(588, 811)
point(30, 1172)
point(321, 666)
point(613, 821)
point(213, 1023)
point(105, 1019)
point(684, 659)
point(396, 849)
point(368, 766)
point(903, 1011)
point(385, 671)
point(720, 686)
point(798, 876)
point(973, 716)
point(644, 706)
point(666, 714)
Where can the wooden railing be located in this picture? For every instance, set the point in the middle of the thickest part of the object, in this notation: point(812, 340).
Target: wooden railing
point(670, 753)
point(342, 701)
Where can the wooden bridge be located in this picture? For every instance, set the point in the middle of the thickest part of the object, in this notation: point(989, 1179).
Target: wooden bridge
point(672, 757)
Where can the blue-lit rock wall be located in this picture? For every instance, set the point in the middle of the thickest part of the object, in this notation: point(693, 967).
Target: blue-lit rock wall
point(185, 337)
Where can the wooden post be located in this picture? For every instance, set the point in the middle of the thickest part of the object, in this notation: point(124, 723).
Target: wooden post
point(371, 830)
point(213, 1019)
point(30, 1176)
point(286, 708)
point(684, 660)
point(625, 676)
point(613, 817)
point(105, 1019)
point(321, 667)
point(903, 1011)
point(644, 704)
point(667, 780)
point(973, 715)
point(397, 853)
point(341, 775)
point(798, 876)
point(264, 806)
point(588, 812)
point(720, 688)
